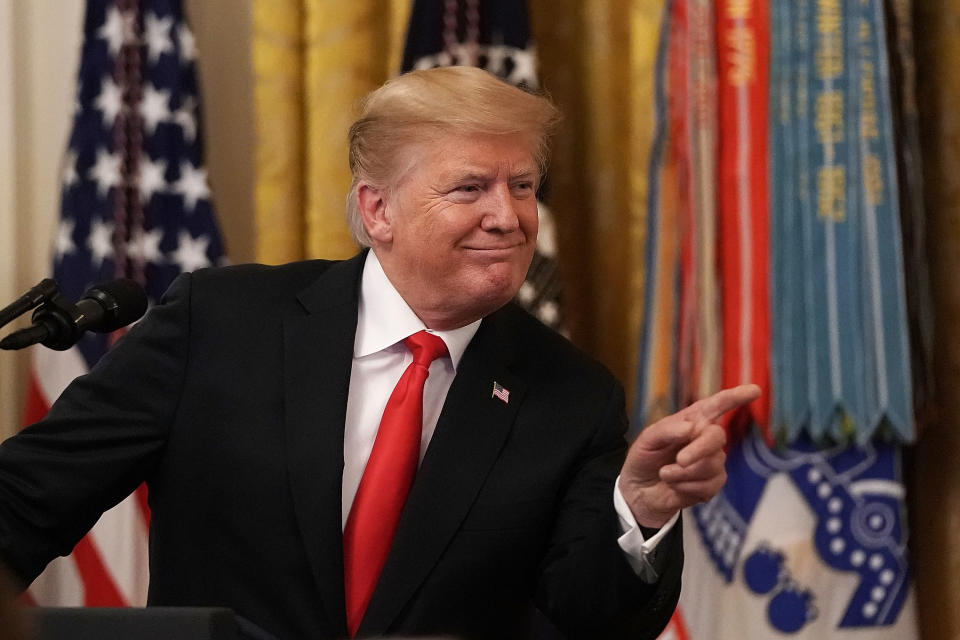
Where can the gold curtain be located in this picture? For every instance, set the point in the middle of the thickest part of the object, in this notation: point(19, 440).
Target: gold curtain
point(312, 61)
point(597, 62)
point(935, 491)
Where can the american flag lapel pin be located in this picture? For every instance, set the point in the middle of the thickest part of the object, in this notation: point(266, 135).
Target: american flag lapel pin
point(500, 392)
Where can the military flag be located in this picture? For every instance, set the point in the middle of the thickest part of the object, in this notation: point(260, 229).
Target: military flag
point(806, 295)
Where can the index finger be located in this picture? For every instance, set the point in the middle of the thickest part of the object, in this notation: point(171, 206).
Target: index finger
point(712, 407)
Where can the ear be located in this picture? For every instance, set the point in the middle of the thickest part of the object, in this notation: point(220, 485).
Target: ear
point(372, 205)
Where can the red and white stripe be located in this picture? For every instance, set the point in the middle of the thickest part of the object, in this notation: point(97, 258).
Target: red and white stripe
point(109, 566)
point(743, 43)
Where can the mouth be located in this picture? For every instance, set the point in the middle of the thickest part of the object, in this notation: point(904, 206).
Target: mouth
point(494, 253)
point(494, 247)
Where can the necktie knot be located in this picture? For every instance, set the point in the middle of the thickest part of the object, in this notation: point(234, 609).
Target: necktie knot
point(425, 347)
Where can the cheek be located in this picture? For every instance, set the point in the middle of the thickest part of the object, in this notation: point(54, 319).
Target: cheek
point(529, 221)
point(443, 223)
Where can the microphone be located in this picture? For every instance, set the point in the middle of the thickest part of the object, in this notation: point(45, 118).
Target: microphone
point(39, 294)
point(58, 324)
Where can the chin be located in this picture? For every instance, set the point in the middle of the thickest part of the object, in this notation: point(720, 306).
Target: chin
point(483, 302)
point(494, 301)
point(489, 289)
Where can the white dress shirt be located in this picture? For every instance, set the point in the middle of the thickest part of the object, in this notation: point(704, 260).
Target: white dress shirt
point(380, 358)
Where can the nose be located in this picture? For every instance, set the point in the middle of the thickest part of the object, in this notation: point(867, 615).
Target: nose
point(500, 211)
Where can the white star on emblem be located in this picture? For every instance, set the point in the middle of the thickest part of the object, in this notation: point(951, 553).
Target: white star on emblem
point(185, 118)
point(151, 177)
point(146, 246)
point(64, 243)
point(156, 32)
point(117, 30)
point(154, 108)
point(524, 67)
point(109, 101)
point(192, 185)
point(191, 254)
point(188, 45)
point(105, 171)
point(100, 242)
point(69, 175)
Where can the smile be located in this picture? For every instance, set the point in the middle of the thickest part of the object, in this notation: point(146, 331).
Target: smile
point(494, 249)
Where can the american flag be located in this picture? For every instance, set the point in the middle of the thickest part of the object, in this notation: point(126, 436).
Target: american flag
point(135, 203)
point(500, 392)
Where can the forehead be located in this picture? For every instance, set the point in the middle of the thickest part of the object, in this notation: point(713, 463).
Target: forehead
point(448, 156)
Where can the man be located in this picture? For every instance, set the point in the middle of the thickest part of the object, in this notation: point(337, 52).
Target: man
point(261, 405)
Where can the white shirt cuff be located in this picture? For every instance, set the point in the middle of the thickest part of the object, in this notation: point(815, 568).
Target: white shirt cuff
point(639, 552)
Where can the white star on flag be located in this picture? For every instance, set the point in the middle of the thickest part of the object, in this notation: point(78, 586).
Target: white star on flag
point(154, 107)
point(105, 171)
point(185, 118)
point(156, 32)
point(192, 185)
point(100, 242)
point(152, 178)
point(146, 246)
point(188, 45)
point(109, 101)
point(69, 176)
point(64, 243)
point(191, 254)
point(117, 30)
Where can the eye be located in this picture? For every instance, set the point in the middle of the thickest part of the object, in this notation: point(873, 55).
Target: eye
point(469, 188)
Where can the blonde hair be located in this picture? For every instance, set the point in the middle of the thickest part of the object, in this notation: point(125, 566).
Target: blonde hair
point(448, 100)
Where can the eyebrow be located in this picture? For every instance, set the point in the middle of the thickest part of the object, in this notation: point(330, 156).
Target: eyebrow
point(478, 176)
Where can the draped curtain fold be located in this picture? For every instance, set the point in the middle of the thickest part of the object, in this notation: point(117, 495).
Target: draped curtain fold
point(935, 492)
point(597, 60)
point(312, 61)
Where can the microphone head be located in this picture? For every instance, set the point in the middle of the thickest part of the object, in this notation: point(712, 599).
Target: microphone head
point(123, 301)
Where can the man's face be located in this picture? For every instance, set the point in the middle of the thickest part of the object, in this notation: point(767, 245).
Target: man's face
point(461, 226)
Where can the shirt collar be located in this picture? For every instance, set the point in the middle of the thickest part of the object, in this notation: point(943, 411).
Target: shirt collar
point(385, 318)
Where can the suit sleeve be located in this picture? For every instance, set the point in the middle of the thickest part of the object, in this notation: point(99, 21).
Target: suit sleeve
point(587, 586)
point(98, 442)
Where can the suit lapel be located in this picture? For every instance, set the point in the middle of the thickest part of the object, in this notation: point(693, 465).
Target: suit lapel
point(470, 434)
point(318, 356)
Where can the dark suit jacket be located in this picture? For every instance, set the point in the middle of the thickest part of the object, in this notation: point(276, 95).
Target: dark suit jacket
point(229, 400)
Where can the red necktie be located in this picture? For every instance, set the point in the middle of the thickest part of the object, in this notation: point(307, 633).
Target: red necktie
point(386, 479)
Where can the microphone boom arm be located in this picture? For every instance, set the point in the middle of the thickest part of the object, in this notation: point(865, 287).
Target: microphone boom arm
point(43, 291)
